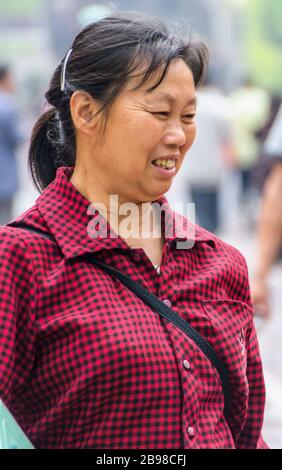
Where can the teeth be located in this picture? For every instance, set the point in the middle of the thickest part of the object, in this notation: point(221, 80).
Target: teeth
point(165, 163)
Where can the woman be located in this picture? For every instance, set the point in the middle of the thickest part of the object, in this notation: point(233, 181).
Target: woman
point(85, 362)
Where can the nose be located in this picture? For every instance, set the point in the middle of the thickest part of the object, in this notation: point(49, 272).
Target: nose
point(175, 135)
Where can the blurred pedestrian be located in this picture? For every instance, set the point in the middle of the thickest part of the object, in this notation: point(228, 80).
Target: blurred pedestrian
point(269, 232)
point(10, 138)
point(250, 108)
point(264, 163)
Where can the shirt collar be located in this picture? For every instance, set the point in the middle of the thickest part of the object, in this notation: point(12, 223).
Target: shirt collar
point(69, 217)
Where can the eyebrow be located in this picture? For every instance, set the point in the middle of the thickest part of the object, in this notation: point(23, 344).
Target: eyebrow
point(171, 99)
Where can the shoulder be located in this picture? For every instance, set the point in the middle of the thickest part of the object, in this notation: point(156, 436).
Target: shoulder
point(10, 241)
point(213, 247)
point(19, 243)
point(31, 218)
point(18, 279)
point(224, 264)
point(225, 253)
point(13, 249)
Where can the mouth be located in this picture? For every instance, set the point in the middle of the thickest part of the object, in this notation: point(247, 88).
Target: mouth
point(167, 162)
point(164, 167)
point(164, 164)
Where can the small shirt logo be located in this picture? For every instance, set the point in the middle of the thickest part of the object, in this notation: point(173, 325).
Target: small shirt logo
point(241, 341)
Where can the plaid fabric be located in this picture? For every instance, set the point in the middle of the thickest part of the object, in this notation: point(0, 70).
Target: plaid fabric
point(84, 363)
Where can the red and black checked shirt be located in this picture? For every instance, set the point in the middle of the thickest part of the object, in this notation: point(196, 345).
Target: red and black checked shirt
point(84, 363)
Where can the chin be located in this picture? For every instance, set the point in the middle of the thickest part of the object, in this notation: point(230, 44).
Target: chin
point(167, 187)
point(157, 196)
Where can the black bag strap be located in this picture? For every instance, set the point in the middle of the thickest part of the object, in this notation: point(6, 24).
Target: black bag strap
point(158, 306)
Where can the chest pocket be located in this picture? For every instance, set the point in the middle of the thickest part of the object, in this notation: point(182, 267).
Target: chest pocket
point(230, 323)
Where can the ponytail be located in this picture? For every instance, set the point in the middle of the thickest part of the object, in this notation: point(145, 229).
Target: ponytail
point(48, 149)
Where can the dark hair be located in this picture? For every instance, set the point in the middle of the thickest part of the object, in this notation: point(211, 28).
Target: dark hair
point(4, 71)
point(104, 56)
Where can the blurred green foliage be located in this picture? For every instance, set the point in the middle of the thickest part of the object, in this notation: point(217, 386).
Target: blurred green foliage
point(18, 7)
point(263, 42)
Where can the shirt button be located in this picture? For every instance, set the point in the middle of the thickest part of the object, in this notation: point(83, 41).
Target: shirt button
point(191, 431)
point(167, 302)
point(186, 364)
point(136, 257)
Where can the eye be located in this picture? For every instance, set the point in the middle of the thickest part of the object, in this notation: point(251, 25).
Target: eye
point(161, 113)
point(166, 113)
point(190, 116)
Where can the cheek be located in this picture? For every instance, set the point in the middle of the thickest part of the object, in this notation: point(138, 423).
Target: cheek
point(145, 134)
point(150, 127)
point(140, 131)
point(191, 134)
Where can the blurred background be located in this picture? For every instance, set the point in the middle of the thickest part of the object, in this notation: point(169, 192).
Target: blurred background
point(233, 171)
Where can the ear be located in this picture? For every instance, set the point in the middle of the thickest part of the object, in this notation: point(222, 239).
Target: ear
point(83, 109)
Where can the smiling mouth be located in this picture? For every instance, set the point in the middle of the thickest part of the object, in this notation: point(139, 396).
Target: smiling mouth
point(167, 164)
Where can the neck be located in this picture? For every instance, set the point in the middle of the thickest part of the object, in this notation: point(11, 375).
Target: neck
point(131, 220)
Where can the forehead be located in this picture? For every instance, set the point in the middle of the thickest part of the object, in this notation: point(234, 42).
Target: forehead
point(177, 81)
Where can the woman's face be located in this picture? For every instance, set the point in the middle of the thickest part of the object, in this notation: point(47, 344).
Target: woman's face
point(144, 127)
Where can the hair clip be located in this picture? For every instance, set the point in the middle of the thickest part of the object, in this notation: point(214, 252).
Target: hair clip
point(63, 70)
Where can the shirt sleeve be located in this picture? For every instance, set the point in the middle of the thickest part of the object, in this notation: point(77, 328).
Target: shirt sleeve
point(17, 320)
point(251, 437)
